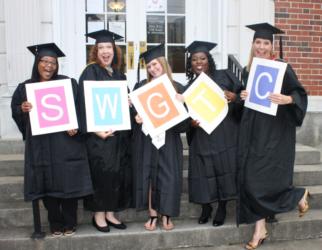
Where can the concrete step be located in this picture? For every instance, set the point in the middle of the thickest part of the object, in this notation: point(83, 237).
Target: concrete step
point(187, 234)
point(12, 164)
point(12, 147)
point(18, 213)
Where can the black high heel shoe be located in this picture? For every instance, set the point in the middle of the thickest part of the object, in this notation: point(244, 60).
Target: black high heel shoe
point(105, 229)
point(205, 214)
point(220, 214)
point(121, 226)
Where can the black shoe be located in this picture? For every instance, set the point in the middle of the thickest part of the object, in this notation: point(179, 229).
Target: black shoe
point(271, 219)
point(220, 214)
point(205, 214)
point(121, 226)
point(105, 229)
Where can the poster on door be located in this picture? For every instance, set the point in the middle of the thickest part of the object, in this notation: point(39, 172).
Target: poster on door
point(265, 77)
point(53, 107)
point(206, 102)
point(106, 105)
point(157, 105)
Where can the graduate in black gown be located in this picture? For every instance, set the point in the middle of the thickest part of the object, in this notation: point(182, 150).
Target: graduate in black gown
point(56, 164)
point(267, 147)
point(108, 151)
point(212, 157)
point(158, 172)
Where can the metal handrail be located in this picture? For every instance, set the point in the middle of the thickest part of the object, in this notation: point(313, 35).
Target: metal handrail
point(235, 67)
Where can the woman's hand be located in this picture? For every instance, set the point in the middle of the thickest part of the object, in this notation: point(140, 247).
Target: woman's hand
point(195, 123)
point(26, 107)
point(243, 95)
point(104, 134)
point(230, 96)
point(280, 99)
point(180, 98)
point(72, 132)
point(138, 119)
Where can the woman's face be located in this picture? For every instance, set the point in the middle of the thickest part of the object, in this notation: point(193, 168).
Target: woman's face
point(262, 48)
point(105, 53)
point(154, 68)
point(47, 67)
point(199, 63)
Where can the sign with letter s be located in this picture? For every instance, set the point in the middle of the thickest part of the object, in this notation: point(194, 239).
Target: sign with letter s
point(53, 107)
point(265, 77)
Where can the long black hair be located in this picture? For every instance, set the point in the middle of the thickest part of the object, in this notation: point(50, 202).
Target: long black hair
point(35, 77)
point(211, 64)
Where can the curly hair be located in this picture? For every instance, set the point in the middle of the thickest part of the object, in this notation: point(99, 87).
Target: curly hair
point(94, 59)
point(189, 72)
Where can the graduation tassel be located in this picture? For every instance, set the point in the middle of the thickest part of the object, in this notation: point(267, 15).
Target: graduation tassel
point(281, 48)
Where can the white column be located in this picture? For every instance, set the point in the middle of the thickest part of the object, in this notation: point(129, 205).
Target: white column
point(22, 28)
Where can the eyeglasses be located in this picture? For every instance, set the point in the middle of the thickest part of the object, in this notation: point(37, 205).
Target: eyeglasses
point(45, 62)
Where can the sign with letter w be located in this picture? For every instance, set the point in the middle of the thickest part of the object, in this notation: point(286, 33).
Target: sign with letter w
point(107, 106)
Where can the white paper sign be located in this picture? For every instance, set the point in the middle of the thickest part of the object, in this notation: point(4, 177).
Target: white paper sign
point(53, 107)
point(265, 77)
point(106, 104)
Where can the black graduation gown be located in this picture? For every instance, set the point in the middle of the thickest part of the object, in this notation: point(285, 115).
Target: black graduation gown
point(266, 155)
point(212, 158)
point(160, 168)
point(56, 164)
point(109, 159)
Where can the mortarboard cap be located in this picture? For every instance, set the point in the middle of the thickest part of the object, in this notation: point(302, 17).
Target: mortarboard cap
point(46, 49)
point(200, 46)
point(104, 36)
point(264, 30)
point(153, 53)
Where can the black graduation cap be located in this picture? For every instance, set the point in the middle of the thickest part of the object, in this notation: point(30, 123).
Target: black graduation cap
point(149, 55)
point(46, 49)
point(153, 53)
point(266, 31)
point(104, 36)
point(200, 46)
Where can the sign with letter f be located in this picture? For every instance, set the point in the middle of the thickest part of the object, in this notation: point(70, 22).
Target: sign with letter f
point(265, 78)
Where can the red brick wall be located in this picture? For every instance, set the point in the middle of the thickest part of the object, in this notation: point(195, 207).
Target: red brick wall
point(302, 22)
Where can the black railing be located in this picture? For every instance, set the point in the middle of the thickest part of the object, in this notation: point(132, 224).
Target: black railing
point(235, 67)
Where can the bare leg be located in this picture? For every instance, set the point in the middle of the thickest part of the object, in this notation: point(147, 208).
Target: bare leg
point(111, 218)
point(100, 219)
point(151, 224)
point(260, 234)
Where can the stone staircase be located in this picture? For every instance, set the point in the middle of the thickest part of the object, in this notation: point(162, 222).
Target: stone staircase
point(16, 221)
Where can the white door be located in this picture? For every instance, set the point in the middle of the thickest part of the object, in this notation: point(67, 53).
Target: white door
point(143, 24)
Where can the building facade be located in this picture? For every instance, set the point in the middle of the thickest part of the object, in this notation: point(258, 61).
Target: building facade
point(143, 24)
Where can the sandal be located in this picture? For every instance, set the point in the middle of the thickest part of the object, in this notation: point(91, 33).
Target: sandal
point(303, 210)
point(169, 225)
point(153, 223)
point(56, 234)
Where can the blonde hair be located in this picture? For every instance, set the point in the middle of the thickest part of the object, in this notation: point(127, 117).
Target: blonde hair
point(252, 54)
point(166, 69)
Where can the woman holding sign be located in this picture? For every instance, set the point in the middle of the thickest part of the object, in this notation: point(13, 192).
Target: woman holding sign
point(56, 164)
point(267, 147)
point(157, 161)
point(212, 157)
point(108, 151)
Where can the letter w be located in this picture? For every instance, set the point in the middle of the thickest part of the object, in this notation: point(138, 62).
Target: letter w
point(107, 101)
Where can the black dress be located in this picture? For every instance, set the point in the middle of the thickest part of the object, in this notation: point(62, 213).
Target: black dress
point(56, 164)
point(109, 159)
point(160, 168)
point(266, 155)
point(212, 157)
